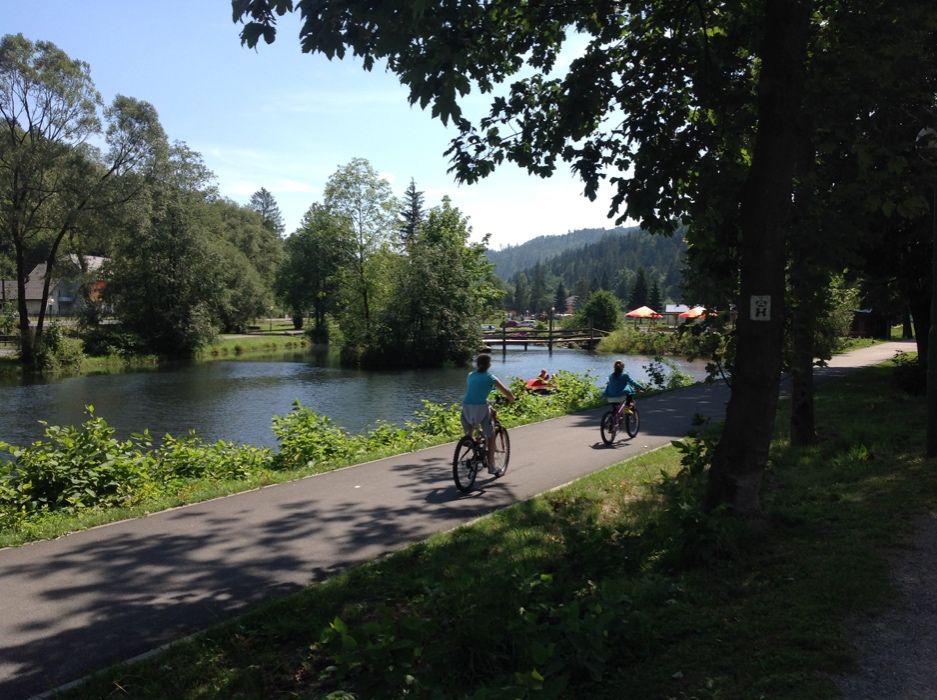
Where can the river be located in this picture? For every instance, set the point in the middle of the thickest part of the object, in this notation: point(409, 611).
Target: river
point(235, 400)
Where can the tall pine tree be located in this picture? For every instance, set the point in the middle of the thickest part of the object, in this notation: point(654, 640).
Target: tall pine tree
point(639, 291)
point(654, 298)
point(559, 298)
point(265, 204)
point(412, 214)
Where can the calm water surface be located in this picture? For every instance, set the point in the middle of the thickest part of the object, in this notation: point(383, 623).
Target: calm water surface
point(235, 400)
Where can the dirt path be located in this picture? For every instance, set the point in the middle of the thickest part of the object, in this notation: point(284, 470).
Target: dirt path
point(897, 649)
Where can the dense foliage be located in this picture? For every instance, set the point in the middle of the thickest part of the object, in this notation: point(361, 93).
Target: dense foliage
point(404, 291)
point(53, 181)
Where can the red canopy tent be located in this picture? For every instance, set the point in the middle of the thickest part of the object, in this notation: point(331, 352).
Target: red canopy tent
point(695, 312)
point(643, 312)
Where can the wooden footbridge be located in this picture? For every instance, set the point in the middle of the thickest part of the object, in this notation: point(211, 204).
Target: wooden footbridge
point(586, 338)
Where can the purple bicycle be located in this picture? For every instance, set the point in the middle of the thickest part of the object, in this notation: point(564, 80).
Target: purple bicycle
point(624, 415)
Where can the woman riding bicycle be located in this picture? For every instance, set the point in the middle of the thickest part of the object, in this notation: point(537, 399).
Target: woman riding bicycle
point(620, 387)
point(475, 409)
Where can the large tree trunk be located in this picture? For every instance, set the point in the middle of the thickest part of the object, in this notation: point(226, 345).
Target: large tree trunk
point(803, 330)
point(740, 458)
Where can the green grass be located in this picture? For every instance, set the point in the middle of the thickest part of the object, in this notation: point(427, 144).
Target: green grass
point(581, 592)
point(259, 344)
point(848, 344)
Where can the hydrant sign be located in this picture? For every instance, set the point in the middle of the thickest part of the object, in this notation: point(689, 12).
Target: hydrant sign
point(760, 309)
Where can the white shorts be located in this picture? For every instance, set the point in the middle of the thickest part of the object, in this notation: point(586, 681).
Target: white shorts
point(477, 414)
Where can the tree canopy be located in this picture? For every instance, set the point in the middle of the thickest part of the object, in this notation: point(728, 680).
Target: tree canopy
point(52, 175)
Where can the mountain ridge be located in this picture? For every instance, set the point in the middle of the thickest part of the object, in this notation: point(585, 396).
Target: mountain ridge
point(509, 261)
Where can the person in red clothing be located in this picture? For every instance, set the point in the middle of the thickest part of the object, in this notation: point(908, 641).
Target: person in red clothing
point(543, 383)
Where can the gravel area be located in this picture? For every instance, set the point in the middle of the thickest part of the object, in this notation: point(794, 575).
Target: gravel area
point(897, 650)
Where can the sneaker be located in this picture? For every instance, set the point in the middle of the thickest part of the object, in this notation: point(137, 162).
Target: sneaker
point(498, 473)
point(493, 470)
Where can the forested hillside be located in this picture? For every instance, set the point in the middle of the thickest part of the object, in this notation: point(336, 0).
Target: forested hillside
point(620, 261)
point(511, 260)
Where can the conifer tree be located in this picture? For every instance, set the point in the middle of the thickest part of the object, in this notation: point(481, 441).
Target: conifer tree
point(654, 298)
point(638, 291)
point(411, 214)
point(265, 204)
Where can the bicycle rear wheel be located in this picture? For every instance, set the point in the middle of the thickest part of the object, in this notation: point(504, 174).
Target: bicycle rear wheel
point(501, 444)
point(464, 464)
point(632, 421)
point(609, 427)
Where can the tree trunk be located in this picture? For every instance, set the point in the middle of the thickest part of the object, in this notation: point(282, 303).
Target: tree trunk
point(740, 458)
point(920, 312)
point(906, 332)
point(26, 337)
point(803, 330)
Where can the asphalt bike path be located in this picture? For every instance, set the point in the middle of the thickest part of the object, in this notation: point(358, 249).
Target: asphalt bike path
point(79, 603)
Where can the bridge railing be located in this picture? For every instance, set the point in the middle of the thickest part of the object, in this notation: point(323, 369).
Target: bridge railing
point(539, 336)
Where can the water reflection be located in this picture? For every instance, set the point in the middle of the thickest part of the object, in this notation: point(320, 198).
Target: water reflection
point(235, 400)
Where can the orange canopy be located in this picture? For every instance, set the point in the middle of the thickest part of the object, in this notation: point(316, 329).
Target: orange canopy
point(643, 312)
point(695, 312)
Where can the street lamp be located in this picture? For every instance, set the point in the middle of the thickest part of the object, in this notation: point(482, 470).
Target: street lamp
point(926, 145)
point(550, 340)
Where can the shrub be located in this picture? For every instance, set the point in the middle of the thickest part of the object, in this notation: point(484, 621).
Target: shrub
point(75, 468)
point(309, 439)
point(664, 374)
point(909, 374)
point(188, 458)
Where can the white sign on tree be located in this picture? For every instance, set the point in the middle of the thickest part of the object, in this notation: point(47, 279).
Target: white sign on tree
point(760, 309)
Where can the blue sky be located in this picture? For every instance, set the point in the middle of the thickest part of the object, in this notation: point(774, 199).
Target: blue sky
point(284, 120)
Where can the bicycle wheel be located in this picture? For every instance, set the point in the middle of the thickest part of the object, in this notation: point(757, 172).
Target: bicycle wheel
point(609, 427)
point(502, 447)
point(632, 422)
point(464, 464)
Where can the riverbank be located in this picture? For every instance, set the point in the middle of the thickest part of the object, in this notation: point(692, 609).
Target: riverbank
point(612, 587)
point(225, 347)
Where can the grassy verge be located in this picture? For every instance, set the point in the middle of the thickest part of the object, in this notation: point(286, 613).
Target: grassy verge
point(258, 344)
point(613, 587)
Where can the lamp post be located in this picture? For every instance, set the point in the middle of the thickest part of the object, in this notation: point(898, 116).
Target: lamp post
point(550, 336)
point(926, 145)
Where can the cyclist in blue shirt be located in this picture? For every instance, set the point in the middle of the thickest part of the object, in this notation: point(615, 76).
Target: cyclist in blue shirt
point(620, 387)
point(475, 409)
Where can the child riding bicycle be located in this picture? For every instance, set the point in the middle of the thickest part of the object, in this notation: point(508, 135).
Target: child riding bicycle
point(475, 410)
point(620, 387)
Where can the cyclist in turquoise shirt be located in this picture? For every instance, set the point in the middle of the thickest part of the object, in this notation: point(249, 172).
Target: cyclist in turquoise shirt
point(475, 409)
point(620, 387)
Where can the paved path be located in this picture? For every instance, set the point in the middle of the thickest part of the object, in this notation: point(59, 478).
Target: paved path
point(82, 602)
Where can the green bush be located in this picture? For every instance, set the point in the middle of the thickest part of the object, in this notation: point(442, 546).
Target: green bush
point(187, 459)
point(58, 351)
point(309, 440)
point(664, 374)
point(73, 469)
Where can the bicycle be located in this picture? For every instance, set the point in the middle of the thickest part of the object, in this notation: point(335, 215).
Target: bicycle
point(625, 413)
point(471, 452)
